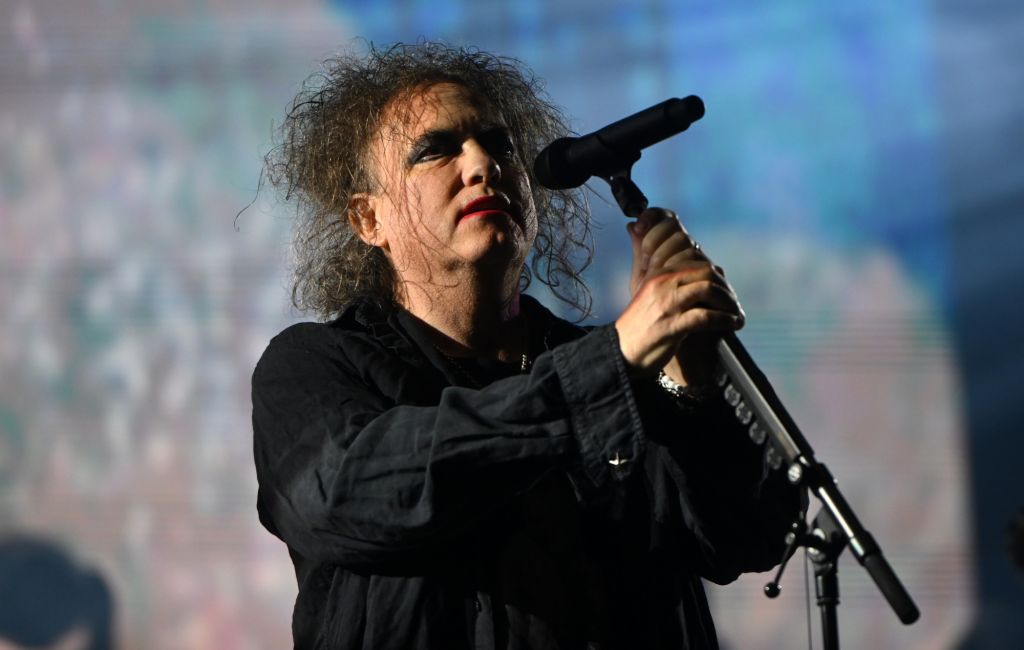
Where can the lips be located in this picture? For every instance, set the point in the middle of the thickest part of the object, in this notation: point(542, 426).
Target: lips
point(481, 206)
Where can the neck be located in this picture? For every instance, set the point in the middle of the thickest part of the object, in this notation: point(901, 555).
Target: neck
point(470, 317)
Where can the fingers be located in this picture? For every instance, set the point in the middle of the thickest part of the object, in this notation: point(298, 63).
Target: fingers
point(652, 216)
point(702, 291)
point(689, 258)
point(684, 268)
point(646, 234)
point(663, 238)
point(707, 296)
point(666, 248)
point(667, 230)
point(666, 311)
point(706, 321)
point(677, 291)
point(691, 288)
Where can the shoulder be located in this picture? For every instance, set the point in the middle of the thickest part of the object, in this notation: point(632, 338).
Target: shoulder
point(365, 351)
point(360, 331)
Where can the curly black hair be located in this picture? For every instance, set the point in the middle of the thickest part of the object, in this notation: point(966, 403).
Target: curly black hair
point(319, 162)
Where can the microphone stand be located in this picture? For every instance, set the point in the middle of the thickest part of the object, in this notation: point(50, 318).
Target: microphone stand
point(836, 526)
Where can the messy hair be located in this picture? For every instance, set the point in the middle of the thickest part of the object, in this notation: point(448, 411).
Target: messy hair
point(319, 162)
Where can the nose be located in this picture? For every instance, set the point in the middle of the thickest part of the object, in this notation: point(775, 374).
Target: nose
point(478, 164)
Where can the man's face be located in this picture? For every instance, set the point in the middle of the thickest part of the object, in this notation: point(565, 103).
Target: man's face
point(451, 190)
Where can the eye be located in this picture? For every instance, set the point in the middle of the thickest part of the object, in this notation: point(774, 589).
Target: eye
point(433, 148)
point(498, 143)
point(428, 153)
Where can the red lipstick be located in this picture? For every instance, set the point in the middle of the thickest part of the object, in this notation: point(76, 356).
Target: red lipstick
point(481, 206)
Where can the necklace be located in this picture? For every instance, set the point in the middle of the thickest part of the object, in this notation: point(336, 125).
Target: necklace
point(524, 367)
point(524, 361)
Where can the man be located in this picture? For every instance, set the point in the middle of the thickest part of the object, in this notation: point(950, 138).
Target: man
point(450, 465)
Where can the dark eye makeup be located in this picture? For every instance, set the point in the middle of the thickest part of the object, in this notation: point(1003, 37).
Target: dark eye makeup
point(434, 145)
point(497, 142)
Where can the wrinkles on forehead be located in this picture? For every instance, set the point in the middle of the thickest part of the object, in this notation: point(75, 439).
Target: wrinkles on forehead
point(411, 107)
point(423, 109)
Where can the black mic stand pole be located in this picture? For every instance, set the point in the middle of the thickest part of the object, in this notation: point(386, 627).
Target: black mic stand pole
point(824, 552)
point(747, 389)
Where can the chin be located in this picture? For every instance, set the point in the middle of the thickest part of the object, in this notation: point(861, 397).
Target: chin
point(498, 249)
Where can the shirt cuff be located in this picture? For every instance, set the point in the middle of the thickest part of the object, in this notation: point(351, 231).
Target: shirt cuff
point(602, 408)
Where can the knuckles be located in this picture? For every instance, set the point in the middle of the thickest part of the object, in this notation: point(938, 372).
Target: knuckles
point(657, 214)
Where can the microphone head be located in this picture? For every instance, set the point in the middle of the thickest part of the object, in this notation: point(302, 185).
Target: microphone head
point(552, 169)
point(690, 109)
point(569, 162)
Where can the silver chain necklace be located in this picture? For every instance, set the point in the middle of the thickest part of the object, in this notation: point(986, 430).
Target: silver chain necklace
point(524, 366)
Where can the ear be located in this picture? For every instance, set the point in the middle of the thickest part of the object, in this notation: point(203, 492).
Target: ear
point(362, 216)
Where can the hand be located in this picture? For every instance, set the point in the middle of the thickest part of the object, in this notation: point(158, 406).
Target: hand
point(681, 302)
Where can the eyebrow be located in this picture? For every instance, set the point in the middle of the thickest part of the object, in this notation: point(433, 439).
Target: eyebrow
point(448, 135)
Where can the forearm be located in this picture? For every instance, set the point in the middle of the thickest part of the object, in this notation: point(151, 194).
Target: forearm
point(344, 477)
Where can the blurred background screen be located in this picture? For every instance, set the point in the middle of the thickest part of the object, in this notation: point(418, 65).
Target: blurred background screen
point(859, 174)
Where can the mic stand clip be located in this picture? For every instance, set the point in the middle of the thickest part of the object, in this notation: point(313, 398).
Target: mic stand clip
point(825, 542)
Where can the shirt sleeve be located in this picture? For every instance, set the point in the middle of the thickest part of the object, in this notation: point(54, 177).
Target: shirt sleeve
point(736, 509)
point(348, 476)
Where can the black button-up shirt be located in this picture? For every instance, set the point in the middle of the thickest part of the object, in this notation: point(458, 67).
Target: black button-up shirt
point(432, 503)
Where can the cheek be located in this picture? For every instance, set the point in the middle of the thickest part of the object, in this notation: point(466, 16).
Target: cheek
point(428, 198)
point(409, 225)
point(529, 209)
point(529, 220)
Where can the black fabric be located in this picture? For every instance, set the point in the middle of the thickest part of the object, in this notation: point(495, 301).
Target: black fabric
point(563, 508)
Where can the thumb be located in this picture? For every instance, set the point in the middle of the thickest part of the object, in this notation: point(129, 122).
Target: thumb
point(636, 232)
point(636, 237)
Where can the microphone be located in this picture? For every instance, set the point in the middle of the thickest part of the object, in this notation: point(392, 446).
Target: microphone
point(569, 162)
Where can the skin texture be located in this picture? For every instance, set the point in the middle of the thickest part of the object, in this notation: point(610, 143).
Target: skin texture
point(440, 148)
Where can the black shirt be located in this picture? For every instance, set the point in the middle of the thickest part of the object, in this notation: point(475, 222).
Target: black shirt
point(567, 507)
